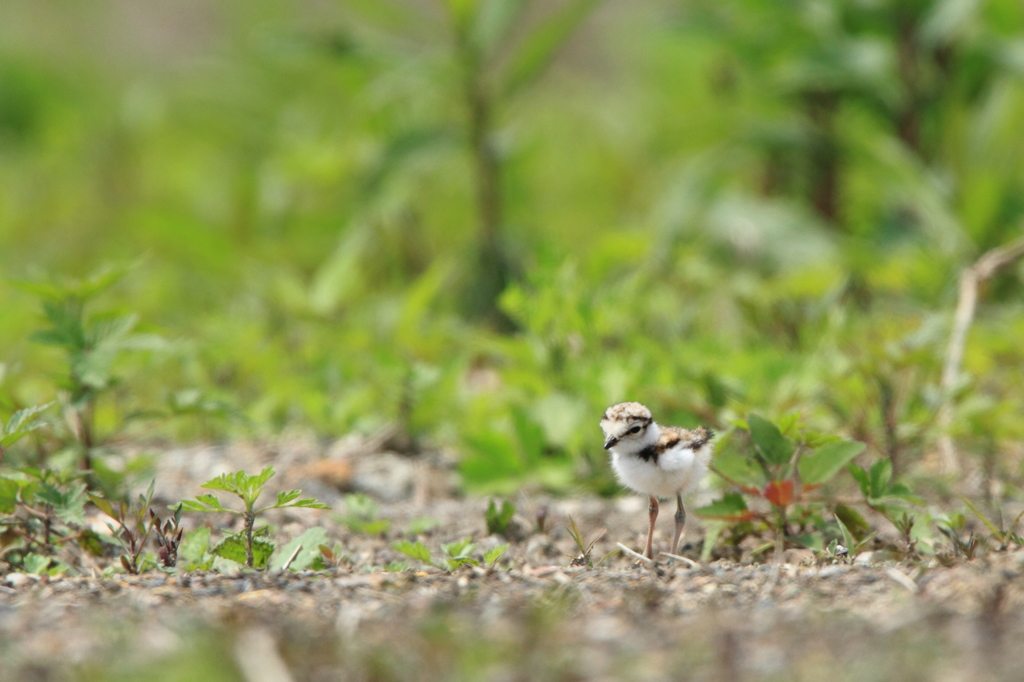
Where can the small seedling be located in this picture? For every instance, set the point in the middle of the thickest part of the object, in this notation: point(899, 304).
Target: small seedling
point(1003, 537)
point(542, 518)
point(362, 516)
point(91, 344)
point(133, 528)
point(168, 537)
point(41, 509)
point(331, 557)
point(456, 554)
point(492, 555)
point(248, 488)
point(499, 519)
point(583, 558)
point(851, 546)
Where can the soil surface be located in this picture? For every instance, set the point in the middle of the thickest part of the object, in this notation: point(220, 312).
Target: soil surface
point(533, 616)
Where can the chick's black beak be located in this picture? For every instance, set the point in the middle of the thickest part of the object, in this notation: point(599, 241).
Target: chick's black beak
point(610, 441)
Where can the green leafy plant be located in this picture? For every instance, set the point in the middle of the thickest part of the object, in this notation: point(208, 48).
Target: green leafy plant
point(499, 519)
point(454, 555)
point(135, 523)
point(40, 511)
point(168, 537)
point(247, 488)
point(782, 472)
point(891, 499)
point(331, 557)
point(362, 515)
point(951, 526)
point(91, 344)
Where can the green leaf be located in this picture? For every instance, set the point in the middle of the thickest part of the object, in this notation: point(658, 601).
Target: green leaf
point(224, 482)
point(458, 562)
point(731, 506)
point(191, 505)
point(459, 548)
point(104, 505)
point(264, 476)
point(233, 548)
point(538, 50)
point(848, 539)
point(36, 564)
point(306, 502)
point(739, 469)
point(880, 475)
point(851, 520)
point(712, 531)
point(862, 479)
point(21, 423)
point(284, 498)
point(211, 501)
point(414, 550)
point(825, 462)
point(194, 545)
point(498, 520)
point(8, 495)
point(774, 448)
point(91, 542)
point(494, 554)
point(311, 540)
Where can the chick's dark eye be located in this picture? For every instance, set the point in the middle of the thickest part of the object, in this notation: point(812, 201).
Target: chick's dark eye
point(635, 429)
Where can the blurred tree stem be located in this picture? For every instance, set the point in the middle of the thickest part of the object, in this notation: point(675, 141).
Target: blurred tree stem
point(493, 273)
point(970, 279)
point(821, 107)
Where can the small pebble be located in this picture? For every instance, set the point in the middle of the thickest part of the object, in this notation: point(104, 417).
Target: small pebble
point(17, 580)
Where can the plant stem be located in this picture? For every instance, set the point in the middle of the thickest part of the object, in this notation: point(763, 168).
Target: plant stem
point(970, 279)
point(493, 272)
point(250, 520)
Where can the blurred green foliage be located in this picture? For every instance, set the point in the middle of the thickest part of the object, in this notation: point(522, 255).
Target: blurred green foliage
point(486, 220)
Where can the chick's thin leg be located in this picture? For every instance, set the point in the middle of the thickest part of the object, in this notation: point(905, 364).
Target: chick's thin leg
point(680, 522)
point(652, 511)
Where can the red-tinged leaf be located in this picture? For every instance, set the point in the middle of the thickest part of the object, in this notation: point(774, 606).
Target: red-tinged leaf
point(779, 493)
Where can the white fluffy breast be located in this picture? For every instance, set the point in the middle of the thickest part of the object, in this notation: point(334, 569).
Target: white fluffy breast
point(679, 470)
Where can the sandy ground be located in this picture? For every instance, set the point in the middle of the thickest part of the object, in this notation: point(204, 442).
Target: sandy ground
point(532, 616)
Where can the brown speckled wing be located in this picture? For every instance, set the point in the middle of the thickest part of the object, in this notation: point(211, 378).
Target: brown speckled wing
point(671, 436)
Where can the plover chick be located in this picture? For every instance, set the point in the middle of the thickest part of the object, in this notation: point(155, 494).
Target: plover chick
point(657, 461)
